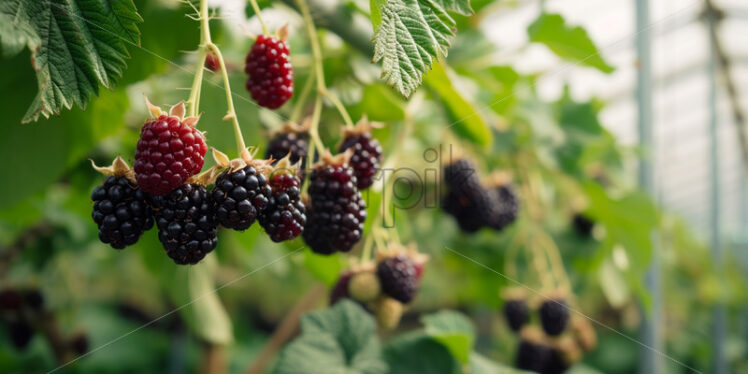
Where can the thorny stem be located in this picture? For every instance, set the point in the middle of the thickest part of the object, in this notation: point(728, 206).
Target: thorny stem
point(339, 106)
point(231, 114)
point(194, 99)
point(259, 16)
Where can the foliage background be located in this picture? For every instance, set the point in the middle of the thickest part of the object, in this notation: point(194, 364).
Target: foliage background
point(557, 150)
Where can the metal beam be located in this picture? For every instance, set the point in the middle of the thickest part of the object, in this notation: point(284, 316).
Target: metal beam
point(650, 329)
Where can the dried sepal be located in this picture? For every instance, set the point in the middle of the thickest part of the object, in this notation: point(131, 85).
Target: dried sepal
point(284, 166)
point(282, 33)
point(207, 177)
point(499, 178)
point(362, 126)
point(336, 160)
point(396, 249)
point(221, 159)
point(154, 110)
point(178, 111)
point(119, 168)
point(513, 293)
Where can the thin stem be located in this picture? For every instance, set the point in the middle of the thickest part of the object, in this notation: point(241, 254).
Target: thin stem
point(259, 16)
point(194, 99)
point(339, 106)
point(366, 252)
point(231, 114)
point(298, 107)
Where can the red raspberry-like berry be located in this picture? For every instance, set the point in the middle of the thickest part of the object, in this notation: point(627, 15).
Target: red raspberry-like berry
point(169, 152)
point(284, 218)
point(211, 62)
point(337, 212)
point(270, 74)
point(367, 153)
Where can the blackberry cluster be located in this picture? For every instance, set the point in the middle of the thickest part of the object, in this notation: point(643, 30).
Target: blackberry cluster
point(240, 197)
point(538, 354)
point(367, 153)
point(398, 278)
point(285, 215)
point(170, 150)
point(473, 205)
point(270, 74)
point(121, 212)
point(554, 316)
point(336, 215)
point(186, 222)
point(517, 313)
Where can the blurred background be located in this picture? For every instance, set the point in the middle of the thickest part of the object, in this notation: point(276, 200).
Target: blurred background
point(628, 115)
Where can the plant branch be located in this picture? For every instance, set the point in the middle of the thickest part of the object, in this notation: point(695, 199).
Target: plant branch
point(213, 359)
point(287, 329)
point(231, 114)
point(202, 52)
point(259, 16)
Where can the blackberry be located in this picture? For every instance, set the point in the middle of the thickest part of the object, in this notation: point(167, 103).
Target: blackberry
point(240, 197)
point(293, 141)
point(336, 214)
point(340, 290)
point(367, 153)
point(79, 343)
point(10, 299)
point(34, 298)
point(186, 222)
point(398, 277)
point(505, 212)
point(20, 333)
point(170, 150)
point(121, 212)
point(583, 225)
point(554, 316)
point(270, 73)
point(459, 173)
point(517, 313)
point(533, 353)
point(472, 205)
point(285, 215)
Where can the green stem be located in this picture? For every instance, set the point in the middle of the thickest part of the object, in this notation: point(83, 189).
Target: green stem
point(339, 105)
point(231, 113)
point(298, 107)
point(193, 101)
point(259, 16)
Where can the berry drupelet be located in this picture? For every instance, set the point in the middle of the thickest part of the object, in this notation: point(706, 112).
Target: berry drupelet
point(270, 74)
point(120, 208)
point(367, 153)
point(285, 215)
point(170, 150)
point(336, 212)
point(186, 222)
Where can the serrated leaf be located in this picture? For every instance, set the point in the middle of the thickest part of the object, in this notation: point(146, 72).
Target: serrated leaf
point(568, 42)
point(341, 339)
point(416, 352)
point(466, 120)
point(453, 330)
point(411, 35)
point(75, 47)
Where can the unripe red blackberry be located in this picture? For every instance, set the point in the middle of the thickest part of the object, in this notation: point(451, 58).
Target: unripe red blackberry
point(336, 214)
point(186, 222)
point(285, 215)
point(367, 153)
point(270, 73)
point(398, 278)
point(120, 208)
point(239, 197)
point(554, 315)
point(170, 150)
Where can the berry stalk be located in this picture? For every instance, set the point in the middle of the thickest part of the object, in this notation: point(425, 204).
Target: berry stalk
point(256, 8)
point(231, 113)
point(319, 77)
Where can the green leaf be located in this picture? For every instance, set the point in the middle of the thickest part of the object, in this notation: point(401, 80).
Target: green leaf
point(375, 13)
point(410, 35)
point(416, 352)
point(568, 42)
point(453, 330)
point(75, 47)
point(466, 120)
point(380, 104)
point(482, 365)
point(341, 339)
point(193, 290)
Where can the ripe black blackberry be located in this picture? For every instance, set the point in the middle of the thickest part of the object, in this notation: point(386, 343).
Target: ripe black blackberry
point(367, 153)
point(20, 333)
point(398, 278)
point(533, 353)
point(508, 206)
point(459, 172)
point(472, 205)
point(517, 313)
point(239, 197)
point(10, 299)
point(554, 315)
point(291, 140)
point(186, 222)
point(336, 212)
point(120, 208)
point(583, 225)
point(285, 215)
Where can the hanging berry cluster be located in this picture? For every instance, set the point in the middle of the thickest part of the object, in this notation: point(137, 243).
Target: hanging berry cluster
point(474, 205)
point(385, 286)
point(560, 340)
